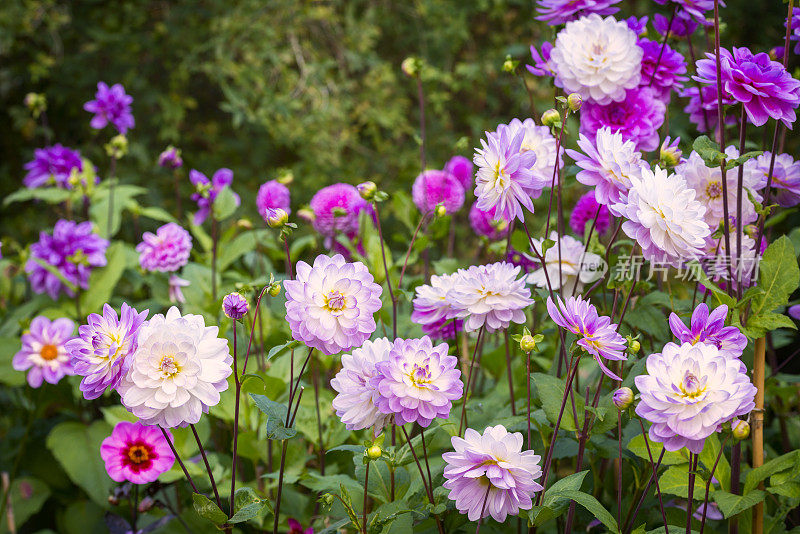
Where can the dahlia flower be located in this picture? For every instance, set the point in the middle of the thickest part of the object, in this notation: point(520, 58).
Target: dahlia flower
point(764, 87)
point(44, 353)
point(556, 12)
point(486, 224)
point(356, 395)
point(696, 9)
point(208, 190)
point(72, 249)
point(662, 68)
point(795, 31)
point(609, 164)
point(491, 468)
point(417, 382)
point(689, 391)
point(719, 265)
point(585, 210)
point(638, 117)
point(52, 164)
point(336, 210)
point(462, 169)
point(170, 158)
point(682, 25)
point(178, 370)
point(541, 142)
point(597, 58)
point(175, 285)
point(432, 307)
point(111, 105)
point(785, 177)
point(710, 329)
point(330, 306)
point(489, 295)
point(702, 107)
point(167, 250)
point(664, 217)
point(234, 306)
point(434, 187)
point(136, 453)
point(637, 25)
point(272, 195)
point(505, 180)
point(596, 334)
point(103, 351)
point(577, 265)
point(541, 62)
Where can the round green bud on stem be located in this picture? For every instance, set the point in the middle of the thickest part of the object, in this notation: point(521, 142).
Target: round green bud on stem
point(551, 117)
point(374, 452)
point(574, 101)
point(740, 429)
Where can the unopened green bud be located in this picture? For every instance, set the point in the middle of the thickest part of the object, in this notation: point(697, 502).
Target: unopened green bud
point(36, 104)
point(274, 289)
point(740, 429)
point(440, 210)
point(244, 224)
point(527, 343)
point(285, 177)
point(277, 217)
point(117, 147)
point(367, 190)
point(574, 101)
point(306, 214)
point(622, 398)
point(634, 346)
point(411, 67)
point(374, 452)
point(510, 65)
point(551, 118)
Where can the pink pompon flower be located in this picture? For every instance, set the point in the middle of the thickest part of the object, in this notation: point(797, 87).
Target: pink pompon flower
point(485, 223)
point(637, 117)
point(597, 335)
point(330, 306)
point(208, 190)
point(491, 468)
point(167, 250)
point(709, 328)
point(462, 169)
point(272, 195)
point(434, 187)
point(111, 105)
point(336, 210)
point(417, 382)
point(432, 308)
point(52, 165)
point(136, 453)
point(44, 353)
point(585, 210)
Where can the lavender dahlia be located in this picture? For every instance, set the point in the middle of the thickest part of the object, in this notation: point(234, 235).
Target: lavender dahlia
point(417, 382)
point(336, 210)
point(72, 249)
point(689, 391)
point(556, 12)
point(637, 117)
point(102, 352)
point(234, 306)
point(165, 251)
point(52, 165)
point(44, 353)
point(585, 210)
point(432, 188)
point(540, 141)
point(597, 335)
point(709, 328)
point(208, 190)
point(136, 453)
point(432, 308)
point(330, 306)
point(272, 195)
point(785, 177)
point(111, 105)
point(491, 468)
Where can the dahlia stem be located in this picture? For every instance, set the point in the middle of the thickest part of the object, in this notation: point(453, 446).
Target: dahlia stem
point(293, 391)
point(214, 239)
point(111, 182)
point(288, 264)
point(208, 467)
point(364, 510)
point(425, 455)
point(235, 421)
point(463, 419)
point(483, 508)
point(421, 101)
point(586, 246)
point(135, 507)
point(555, 173)
point(736, 465)
point(619, 467)
point(758, 427)
point(280, 487)
point(582, 436)
point(177, 457)
point(708, 484)
point(315, 382)
point(655, 476)
point(629, 522)
point(690, 501)
point(386, 271)
point(508, 371)
point(410, 246)
point(428, 489)
point(178, 201)
point(608, 252)
point(739, 194)
point(528, 392)
point(252, 329)
point(664, 43)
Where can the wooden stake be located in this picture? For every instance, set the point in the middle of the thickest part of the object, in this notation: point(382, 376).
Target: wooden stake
point(758, 427)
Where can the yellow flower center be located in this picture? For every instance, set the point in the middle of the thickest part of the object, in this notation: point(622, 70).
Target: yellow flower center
point(334, 301)
point(691, 386)
point(138, 454)
point(49, 352)
point(169, 367)
point(714, 190)
point(420, 375)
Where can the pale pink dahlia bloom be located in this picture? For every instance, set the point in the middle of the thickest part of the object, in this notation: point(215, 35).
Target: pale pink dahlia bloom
point(167, 250)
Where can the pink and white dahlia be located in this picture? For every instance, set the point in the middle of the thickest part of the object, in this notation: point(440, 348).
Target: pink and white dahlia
point(167, 250)
point(432, 308)
point(331, 305)
point(44, 352)
point(689, 391)
point(434, 187)
point(491, 468)
point(539, 140)
point(136, 453)
point(785, 177)
point(571, 260)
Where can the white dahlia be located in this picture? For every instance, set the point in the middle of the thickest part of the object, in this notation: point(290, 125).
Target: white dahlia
point(541, 142)
point(664, 217)
point(577, 267)
point(178, 370)
point(597, 58)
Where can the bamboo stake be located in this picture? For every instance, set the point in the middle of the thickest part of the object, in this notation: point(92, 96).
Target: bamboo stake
point(758, 427)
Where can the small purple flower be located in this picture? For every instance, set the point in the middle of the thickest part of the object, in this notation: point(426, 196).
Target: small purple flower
point(713, 512)
point(175, 285)
point(208, 190)
point(417, 382)
point(585, 210)
point(794, 312)
point(52, 164)
point(639, 26)
point(785, 177)
point(462, 169)
point(102, 352)
point(296, 528)
point(486, 224)
point(702, 107)
point(764, 87)
point(272, 195)
point(795, 35)
point(662, 68)
point(682, 25)
point(638, 117)
point(165, 251)
point(710, 328)
point(556, 12)
point(336, 210)
point(235, 306)
point(170, 158)
point(44, 354)
point(111, 105)
point(597, 335)
point(432, 308)
point(694, 9)
point(541, 62)
point(72, 249)
point(434, 187)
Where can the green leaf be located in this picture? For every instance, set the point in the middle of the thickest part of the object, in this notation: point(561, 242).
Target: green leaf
point(103, 280)
point(758, 325)
point(233, 250)
point(157, 214)
point(709, 455)
point(675, 481)
point(709, 151)
point(225, 204)
point(555, 503)
point(276, 417)
point(638, 447)
point(774, 466)
point(98, 211)
point(9, 376)
point(248, 505)
point(730, 504)
point(778, 276)
point(280, 349)
point(51, 195)
point(207, 509)
point(77, 448)
point(551, 392)
point(593, 506)
point(27, 497)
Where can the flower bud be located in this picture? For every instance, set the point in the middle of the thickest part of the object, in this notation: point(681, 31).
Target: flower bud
point(574, 101)
point(551, 118)
point(285, 177)
point(622, 398)
point(244, 224)
point(740, 429)
point(117, 147)
point(527, 343)
point(274, 289)
point(146, 504)
point(634, 346)
point(367, 190)
point(277, 217)
point(235, 306)
point(374, 452)
point(509, 65)
point(440, 210)
point(170, 158)
point(411, 67)
point(36, 104)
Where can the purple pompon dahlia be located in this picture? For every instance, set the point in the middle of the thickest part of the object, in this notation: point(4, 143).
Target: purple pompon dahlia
point(541, 62)
point(434, 187)
point(710, 328)
point(272, 195)
point(609, 164)
point(785, 177)
point(136, 453)
point(336, 210)
point(111, 105)
point(689, 391)
point(556, 12)
point(702, 107)
point(72, 249)
point(235, 306)
point(432, 308)
point(585, 210)
point(663, 69)
point(682, 24)
point(694, 9)
point(356, 395)
point(489, 296)
point(505, 179)
point(539, 140)
point(331, 305)
point(597, 335)
point(462, 169)
point(417, 382)
point(44, 353)
point(491, 468)
point(208, 190)
point(637, 117)
point(165, 251)
point(52, 165)
point(486, 224)
point(762, 86)
point(102, 352)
